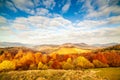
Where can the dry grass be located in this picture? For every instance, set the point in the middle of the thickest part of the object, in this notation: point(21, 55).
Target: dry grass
point(88, 74)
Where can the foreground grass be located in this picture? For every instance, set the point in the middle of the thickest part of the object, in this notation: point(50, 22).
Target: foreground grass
point(88, 74)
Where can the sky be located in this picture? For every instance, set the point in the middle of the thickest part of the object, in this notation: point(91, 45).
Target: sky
point(60, 21)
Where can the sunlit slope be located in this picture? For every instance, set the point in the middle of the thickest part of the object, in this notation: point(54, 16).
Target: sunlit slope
point(71, 51)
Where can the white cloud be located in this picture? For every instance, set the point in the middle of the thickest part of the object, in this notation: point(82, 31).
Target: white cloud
point(45, 30)
point(114, 20)
point(4, 28)
point(87, 24)
point(20, 26)
point(66, 7)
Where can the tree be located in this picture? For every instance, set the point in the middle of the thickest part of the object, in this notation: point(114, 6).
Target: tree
point(68, 64)
point(42, 66)
point(99, 64)
point(101, 57)
point(38, 56)
point(44, 58)
point(56, 64)
point(113, 59)
point(7, 65)
point(82, 62)
point(26, 60)
point(19, 54)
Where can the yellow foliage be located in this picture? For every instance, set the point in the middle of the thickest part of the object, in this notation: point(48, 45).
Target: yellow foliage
point(42, 66)
point(82, 62)
point(28, 58)
point(7, 65)
point(99, 64)
point(67, 65)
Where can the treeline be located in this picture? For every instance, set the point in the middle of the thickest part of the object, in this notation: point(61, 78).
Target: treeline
point(25, 60)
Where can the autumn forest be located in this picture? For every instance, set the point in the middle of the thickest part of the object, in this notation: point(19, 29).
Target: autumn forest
point(21, 58)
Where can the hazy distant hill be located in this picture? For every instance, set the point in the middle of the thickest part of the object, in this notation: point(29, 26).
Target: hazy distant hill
point(64, 48)
point(14, 50)
point(105, 45)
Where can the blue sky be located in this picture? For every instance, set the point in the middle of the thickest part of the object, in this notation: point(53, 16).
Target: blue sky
point(60, 21)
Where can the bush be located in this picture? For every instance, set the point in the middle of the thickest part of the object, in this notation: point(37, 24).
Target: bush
point(7, 65)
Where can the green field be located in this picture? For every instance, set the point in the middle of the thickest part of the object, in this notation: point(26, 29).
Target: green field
point(87, 74)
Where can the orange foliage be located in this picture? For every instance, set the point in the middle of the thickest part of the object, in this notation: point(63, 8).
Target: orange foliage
point(38, 56)
point(44, 58)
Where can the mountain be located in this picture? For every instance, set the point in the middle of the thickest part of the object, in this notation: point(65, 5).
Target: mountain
point(13, 44)
point(114, 47)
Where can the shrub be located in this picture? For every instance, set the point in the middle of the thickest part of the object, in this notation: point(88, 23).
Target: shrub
point(7, 65)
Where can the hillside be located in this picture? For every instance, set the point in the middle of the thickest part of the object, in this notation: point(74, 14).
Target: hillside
point(115, 48)
point(69, 50)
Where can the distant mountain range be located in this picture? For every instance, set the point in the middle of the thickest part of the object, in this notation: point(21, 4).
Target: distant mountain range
point(15, 44)
point(80, 45)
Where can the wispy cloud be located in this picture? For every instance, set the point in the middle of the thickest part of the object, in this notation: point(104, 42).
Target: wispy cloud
point(100, 8)
point(3, 20)
point(11, 6)
point(49, 3)
point(41, 11)
point(66, 7)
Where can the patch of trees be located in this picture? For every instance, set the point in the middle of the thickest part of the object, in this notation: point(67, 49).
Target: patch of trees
point(24, 60)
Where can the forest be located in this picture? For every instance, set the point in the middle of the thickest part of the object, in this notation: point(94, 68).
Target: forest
point(27, 59)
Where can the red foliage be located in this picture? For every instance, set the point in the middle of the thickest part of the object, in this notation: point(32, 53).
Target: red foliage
point(89, 56)
point(56, 65)
point(113, 59)
point(100, 57)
